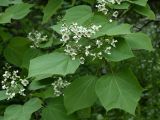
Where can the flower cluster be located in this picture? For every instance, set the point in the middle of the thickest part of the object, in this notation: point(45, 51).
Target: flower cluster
point(114, 1)
point(37, 38)
point(77, 32)
point(102, 7)
point(77, 42)
point(59, 85)
point(13, 83)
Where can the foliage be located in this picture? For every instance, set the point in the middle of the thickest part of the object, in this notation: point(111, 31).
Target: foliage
point(77, 57)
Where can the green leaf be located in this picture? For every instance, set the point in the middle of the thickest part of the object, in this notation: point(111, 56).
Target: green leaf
point(1, 118)
point(123, 5)
point(15, 50)
point(8, 2)
point(35, 85)
point(119, 90)
point(50, 9)
point(146, 11)
point(5, 35)
point(90, 1)
point(3, 95)
point(28, 55)
point(112, 29)
point(1, 49)
point(55, 111)
point(119, 30)
point(78, 14)
point(85, 113)
point(121, 52)
point(139, 41)
point(139, 2)
point(22, 112)
point(4, 2)
point(96, 20)
point(53, 64)
point(17, 11)
point(45, 93)
point(80, 94)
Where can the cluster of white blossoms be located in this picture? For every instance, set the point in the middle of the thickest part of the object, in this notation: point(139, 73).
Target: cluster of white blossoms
point(76, 32)
point(102, 7)
point(37, 38)
point(13, 83)
point(59, 85)
point(77, 42)
point(114, 1)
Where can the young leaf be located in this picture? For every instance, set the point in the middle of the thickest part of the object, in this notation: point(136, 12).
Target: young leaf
point(80, 94)
point(119, 90)
point(139, 41)
point(53, 64)
point(55, 111)
point(50, 9)
point(22, 112)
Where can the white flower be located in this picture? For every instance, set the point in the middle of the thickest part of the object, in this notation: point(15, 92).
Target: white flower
point(77, 32)
point(12, 83)
point(108, 50)
point(113, 43)
point(37, 38)
point(111, 1)
point(99, 55)
point(82, 60)
point(24, 82)
point(65, 38)
point(59, 85)
point(88, 47)
point(119, 1)
point(99, 43)
point(115, 14)
point(110, 20)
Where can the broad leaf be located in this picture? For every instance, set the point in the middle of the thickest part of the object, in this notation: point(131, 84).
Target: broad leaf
point(17, 11)
point(146, 11)
point(35, 85)
point(139, 41)
point(139, 2)
point(80, 94)
point(121, 52)
point(119, 90)
point(15, 50)
point(45, 93)
point(28, 55)
point(51, 8)
point(55, 111)
point(3, 95)
point(112, 29)
point(78, 14)
point(53, 64)
point(8, 2)
point(123, 5)
point(22, 112)
point(119, 29)
point(90, 1)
